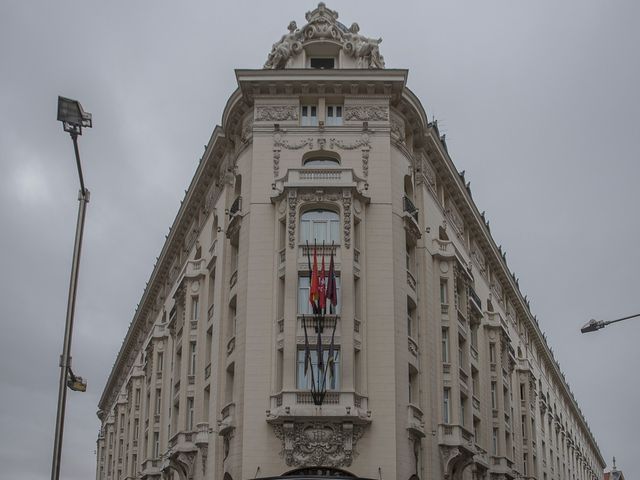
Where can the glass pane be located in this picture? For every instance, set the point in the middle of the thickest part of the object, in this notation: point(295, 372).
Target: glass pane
point(319, 231)
point(314, 111)
point(304, 110)
point(335, 234)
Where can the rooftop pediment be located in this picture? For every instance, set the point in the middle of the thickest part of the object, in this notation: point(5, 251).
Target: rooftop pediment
point(323, 43)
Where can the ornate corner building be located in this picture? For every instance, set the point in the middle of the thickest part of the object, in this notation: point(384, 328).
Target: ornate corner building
point(441, 370)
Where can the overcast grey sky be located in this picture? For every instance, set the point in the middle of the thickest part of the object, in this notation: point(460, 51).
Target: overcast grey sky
point(539, 101)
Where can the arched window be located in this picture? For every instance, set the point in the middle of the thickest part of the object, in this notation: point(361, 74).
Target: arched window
point(321, 162)
point(321, 158)
point(320, 226)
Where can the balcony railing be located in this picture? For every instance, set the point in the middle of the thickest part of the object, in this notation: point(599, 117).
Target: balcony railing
point(236, 206)
point(475, 300)
point(409, 207)
point(411, 280)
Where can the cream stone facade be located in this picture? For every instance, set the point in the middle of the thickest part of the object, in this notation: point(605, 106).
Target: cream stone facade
point(443, 371)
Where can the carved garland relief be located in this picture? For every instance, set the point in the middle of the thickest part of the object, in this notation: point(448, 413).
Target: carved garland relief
point(375, 113)
point(276, 113)
point(279, 142)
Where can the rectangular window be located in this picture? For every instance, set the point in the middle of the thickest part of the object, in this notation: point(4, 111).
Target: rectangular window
point(158, 401)
point(461, 349)
point(445, 345)
point(492, 353)
point(136, 428)
point(309, 116)
point(322, 62)
point(304, 378)
point(190, 413)
point(304, 306)
point(192, 358)
point(334, 115)
point(159, 361)
point(446, 406)
point(463, 405)
point(444, 297)
point(494, 442)
point(195, 308)
point(318, 227)
point(137, 398)
point(156, 444)
point(494, 396)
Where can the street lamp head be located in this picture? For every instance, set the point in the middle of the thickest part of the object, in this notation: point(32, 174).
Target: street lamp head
point(592, 326)
point(72, 116)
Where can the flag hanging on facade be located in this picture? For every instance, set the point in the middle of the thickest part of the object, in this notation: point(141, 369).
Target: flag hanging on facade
point(332, 352)
point(314, 290)
point(307, 350)
point(331, 287)
point(322, 286)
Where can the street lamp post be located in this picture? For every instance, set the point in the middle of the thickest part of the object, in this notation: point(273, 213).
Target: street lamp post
point(73, 118)
point(594, 325)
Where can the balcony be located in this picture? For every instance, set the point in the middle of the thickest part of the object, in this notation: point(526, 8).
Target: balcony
point(410, 208)
point(411, 280)
point(306, 251)
point(227, 419)
point(236, 207)
point(318, 177)
point(443, 249)
point(474, 301)
point(298, 404)
point(415, 421)
point(455, 436)
point(413, 346)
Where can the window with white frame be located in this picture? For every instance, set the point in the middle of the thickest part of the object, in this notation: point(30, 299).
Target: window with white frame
point(192, 358)
point(320, 226)
point(195, 310)
point(445, 345)
point(304, 380)
point(304, 285)
point(446, 406)
point(309, 115)
point(334, 115)
point(190, 413)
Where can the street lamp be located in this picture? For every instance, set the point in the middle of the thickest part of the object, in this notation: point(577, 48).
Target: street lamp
point(73, 118)
point(594, 325)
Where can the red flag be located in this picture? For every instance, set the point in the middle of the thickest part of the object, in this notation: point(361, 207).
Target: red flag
point(331, 288)
point(314, 291)
point(322, 285)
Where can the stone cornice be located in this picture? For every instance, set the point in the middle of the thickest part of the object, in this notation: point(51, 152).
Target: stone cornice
point(321, 82)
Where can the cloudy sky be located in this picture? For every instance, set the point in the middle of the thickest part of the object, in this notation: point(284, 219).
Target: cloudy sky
point(539, 101)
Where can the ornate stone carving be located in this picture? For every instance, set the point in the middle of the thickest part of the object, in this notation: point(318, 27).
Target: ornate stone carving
point(291, 227)
point(397, 128)
point(374, 113)
point(281, 51)
point(455, 218)
point(247, 131)
point(279, 142)
point(365, 50)
point(454, 460)
point(478, 257)
point(318, 443)
point(323, 25)
point(364, 142)
point(346, 207)
point(276, 113)
point(182, 462)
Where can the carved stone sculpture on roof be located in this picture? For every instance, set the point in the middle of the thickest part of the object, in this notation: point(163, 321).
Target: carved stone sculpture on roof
point(283, 50)
point(364, 49)
point(322, 25)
